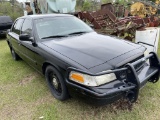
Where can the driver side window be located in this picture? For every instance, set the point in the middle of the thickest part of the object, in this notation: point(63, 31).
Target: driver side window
point(27, 27)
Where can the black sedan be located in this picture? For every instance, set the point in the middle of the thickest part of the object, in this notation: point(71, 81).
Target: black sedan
point(5, 24)
point(76, 61)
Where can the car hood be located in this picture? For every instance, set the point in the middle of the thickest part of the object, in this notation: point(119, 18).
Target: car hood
point(91, 49)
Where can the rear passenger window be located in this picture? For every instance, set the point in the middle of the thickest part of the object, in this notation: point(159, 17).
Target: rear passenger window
point(27, 27)
point(17, 26)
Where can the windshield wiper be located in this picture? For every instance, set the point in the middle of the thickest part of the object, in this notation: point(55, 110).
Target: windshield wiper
point(74, 33)
point(55, 36)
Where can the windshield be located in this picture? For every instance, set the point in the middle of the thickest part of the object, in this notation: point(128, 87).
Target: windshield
point(60, 27)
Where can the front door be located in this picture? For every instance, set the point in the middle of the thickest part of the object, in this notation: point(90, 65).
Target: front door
point(27, 46)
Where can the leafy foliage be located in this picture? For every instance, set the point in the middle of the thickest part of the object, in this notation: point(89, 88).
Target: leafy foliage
point(106, 1)
point(13, 11)
point(86, 6)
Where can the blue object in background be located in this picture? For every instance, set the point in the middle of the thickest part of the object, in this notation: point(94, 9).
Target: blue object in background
point(55, 6)
point(62, 6)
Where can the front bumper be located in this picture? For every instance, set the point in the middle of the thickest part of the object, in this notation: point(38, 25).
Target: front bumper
point(130, 86)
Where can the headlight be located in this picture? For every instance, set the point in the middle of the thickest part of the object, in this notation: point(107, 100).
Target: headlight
point(91, 80)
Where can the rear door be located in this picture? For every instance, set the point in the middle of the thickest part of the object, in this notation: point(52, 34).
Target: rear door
point(14, 37)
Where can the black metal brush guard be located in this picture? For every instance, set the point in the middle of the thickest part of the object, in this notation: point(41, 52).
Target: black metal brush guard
point(134, 80)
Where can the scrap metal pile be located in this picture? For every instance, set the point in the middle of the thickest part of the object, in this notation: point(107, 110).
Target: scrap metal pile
point(106, 21)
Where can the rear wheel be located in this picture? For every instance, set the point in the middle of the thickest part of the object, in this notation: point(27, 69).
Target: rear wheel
point(14, 55)
point(56, 83)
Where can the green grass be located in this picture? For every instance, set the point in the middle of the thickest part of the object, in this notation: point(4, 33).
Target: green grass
point(24, 95)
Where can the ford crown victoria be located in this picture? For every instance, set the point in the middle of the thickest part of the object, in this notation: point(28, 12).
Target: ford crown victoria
point(77, 61)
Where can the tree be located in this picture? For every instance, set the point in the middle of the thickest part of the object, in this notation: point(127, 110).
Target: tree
point(106, 1)
point(14, 11)
point(86, 6)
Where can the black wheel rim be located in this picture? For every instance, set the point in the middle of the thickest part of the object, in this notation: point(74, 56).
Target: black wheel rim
point(55, 84)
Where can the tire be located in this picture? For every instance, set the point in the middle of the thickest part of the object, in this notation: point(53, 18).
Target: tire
point(14, 55)
point(56, 83)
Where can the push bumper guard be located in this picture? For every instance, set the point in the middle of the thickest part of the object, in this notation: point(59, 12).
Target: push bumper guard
point(134, 79)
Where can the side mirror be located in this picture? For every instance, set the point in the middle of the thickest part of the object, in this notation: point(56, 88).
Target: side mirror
point(24, 37)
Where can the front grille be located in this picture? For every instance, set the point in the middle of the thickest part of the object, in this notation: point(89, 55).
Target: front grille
point(137, 67)
point(137, 59)
point(140, 65)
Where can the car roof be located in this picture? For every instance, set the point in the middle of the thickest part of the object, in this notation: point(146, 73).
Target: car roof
point(45, 16)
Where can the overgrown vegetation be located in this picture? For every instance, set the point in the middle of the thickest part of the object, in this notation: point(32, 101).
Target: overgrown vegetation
point(86, 5)
point(91, 5)
point(6, 8)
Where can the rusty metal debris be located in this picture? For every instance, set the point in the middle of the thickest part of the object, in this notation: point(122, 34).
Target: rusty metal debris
point(105, 21)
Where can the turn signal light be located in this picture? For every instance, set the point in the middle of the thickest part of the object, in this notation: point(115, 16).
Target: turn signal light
point(77, 77)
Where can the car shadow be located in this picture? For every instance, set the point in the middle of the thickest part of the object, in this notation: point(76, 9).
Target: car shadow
point(81, 106)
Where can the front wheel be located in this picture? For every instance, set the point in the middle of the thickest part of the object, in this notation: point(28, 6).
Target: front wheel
point(56, 83)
